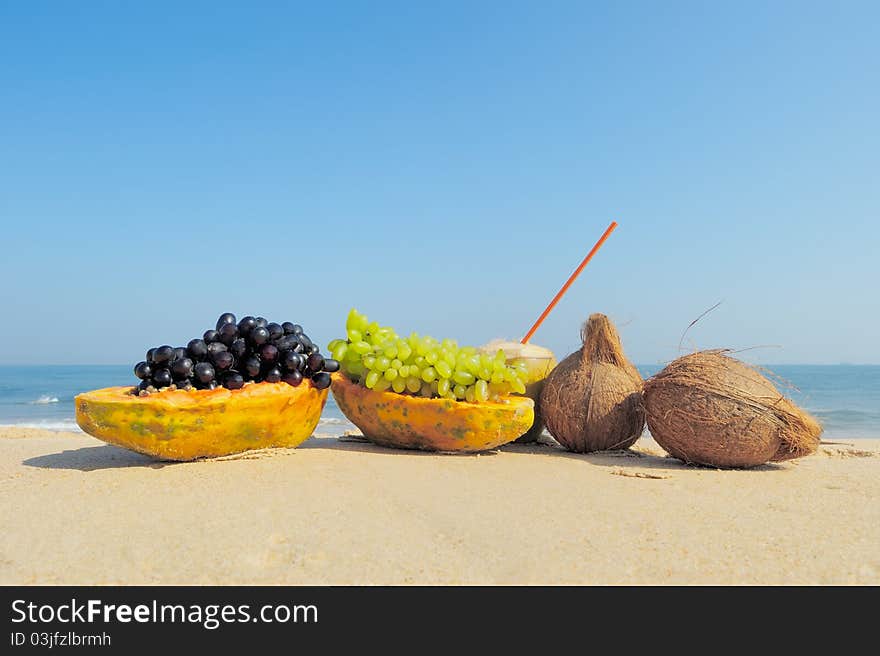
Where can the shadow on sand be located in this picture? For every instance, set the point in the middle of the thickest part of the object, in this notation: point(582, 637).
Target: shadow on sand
point(92, 458)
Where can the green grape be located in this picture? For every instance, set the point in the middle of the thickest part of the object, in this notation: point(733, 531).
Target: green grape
point(422, 347)
point(443, 369)
point(390, 350)
point(473, 364)
point(361, 347)
point(448, 356)
point(420, 362)
point(497, 377)
point(470, 394)
point(485, 373)
point(413, 384)
point(355, 335)
point(404, 350)
point(426, 390)
point(369, 361)
point(398, 385)
point(372, 328)
point(432, 357)
point(459, 391)
point(450, 344)
point(403, 370)
point(382, 363)
point(500, 360)
point(334, 343)
point(390, 374)
point(340, 351)
point(429, 374)
point(396, 363)
point(517, 385)
point(371, 379)
point(414, 371)
point(356, 369)
point(463, 378)
point(383, 385)
point(481, 390)
point(468, 350)
point(353, 320)
point(443, 386)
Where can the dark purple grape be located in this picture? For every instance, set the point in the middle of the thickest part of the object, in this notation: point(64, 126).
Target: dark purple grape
point(315, 362)
point(259, 335)
point(179, 352)
point(287, 327)
point(293, 378)
point(197, 349)
point(204, 372)
point(216, 347)
point(143, 370)
point(292, 361)
point(149, 357)
point(162, 354)
point(225, 319)
point(321, 380)
point(161, 378)
point(182, 368)
point(275, 331)
point(269, 353)
point(185, 384)
point(296, 329)
point(251, 366)
point(228, 333)
point(314, 348)
point(273, 375)
point(305, 341)
point(286, 343)
point(331, 365)
point(246, 325)
point(261, 322)
point(213, 384)
point(222, 360)
point(211, 336)
point(238, 348)
point(233, 380)
point(143, 385)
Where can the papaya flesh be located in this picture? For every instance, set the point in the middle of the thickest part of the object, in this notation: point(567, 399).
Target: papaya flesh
point(412, 422)
point(185, 425)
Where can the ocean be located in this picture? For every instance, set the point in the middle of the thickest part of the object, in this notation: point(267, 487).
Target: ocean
point(845, 398)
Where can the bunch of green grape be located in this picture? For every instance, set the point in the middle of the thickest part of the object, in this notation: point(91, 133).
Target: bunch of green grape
point(380, 359)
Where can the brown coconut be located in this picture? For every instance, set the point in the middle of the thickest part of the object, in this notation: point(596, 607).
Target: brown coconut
point(591, 401)
point(711, 409)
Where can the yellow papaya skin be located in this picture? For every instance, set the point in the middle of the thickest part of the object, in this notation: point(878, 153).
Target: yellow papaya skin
point(180, 425)
point(411, 422)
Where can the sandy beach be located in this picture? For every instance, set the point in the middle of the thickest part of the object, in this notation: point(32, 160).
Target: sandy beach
point(77, 511)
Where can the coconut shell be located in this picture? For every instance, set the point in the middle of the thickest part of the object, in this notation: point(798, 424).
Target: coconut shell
point(592, 400)
point(711, 409)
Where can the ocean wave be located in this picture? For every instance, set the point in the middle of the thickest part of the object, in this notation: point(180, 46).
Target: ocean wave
point(62, 426)
point(333, 421)
point(45, 399)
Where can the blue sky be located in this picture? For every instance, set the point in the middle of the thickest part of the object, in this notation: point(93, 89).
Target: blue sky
point(441, 167)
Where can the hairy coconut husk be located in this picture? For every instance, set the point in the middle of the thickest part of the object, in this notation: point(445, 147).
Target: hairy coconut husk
point(712, 409)
point(592, 400)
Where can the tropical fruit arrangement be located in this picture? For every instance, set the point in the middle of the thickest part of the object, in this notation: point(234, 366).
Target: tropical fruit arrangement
point(251, 383)
point(420, 392)
point(243, 385)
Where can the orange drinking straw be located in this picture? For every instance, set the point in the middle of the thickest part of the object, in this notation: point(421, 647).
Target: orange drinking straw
point(568, 282)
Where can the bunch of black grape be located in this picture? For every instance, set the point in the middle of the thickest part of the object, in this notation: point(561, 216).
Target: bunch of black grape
point(234, 353)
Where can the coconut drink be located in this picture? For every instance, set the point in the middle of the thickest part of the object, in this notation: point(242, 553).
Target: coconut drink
point(538, 362)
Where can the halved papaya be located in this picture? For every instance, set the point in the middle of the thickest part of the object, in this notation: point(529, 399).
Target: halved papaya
point(184, 425)
point(412, 422)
